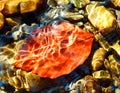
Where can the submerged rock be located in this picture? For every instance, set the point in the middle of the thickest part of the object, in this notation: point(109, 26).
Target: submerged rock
point(116, 3)
point(109, 89)
point(89, 27)
point(11, 22)
point(101, 39)
point(98, 59)
point(114, 65)
point(28, 81)
point(116, 47)
point(79, 3)
point(76, 3)
point(1, 20)
point(118, 17)
point(102, 74)
point(62, 2)
point(54, 3)
point(100, 17)
point(87, 84)
point(74, 16)
point(25, 6)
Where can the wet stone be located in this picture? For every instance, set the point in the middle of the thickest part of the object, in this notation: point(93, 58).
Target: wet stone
point(99, 16)
point(30, 5)
point(116, 80)
point(79, 24)
point(116, 47)
point(87, 84)
point(62, 2)
point(118, 17)
point(103, 43)
point(88, 27)
point(11, 22)
point(80, 3)
point(109, 89)
point(98, 59)
point(73, 16)
point(54, 3)
point(101, 74)
point(116, 3)
point(1, 20)
point(29, 81)
point(11, 6)
point(117, 90)
point(114, 64)
point(53, 13)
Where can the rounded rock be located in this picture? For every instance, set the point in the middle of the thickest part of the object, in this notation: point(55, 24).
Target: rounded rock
point(101, 74)
point(99, 16)
point(21, 6)
point(98, 59)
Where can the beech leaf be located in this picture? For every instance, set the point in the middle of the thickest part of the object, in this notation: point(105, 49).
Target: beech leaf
point(55, 50)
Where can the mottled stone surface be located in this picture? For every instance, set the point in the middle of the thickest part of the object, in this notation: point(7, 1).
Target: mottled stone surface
point(73, 16)
point(21, 6)
point(99, 16)
point(98, 59)
point(101, 74)
point(87, 84)
point(1, 20)
point(53, 3)
point(116, 3)
point(80, 3)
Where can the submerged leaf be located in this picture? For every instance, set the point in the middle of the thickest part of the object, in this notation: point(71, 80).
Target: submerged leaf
point(55, 50)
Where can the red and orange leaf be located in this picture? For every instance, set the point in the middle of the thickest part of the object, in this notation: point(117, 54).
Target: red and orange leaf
point(55, 50)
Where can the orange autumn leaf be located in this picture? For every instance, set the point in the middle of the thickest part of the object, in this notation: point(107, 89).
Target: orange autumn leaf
point(55, 50)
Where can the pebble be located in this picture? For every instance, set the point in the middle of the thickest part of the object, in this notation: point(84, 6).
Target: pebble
point(99, 16)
